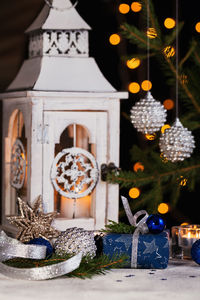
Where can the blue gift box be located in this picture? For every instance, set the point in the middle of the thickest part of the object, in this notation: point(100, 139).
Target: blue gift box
point(152, 252)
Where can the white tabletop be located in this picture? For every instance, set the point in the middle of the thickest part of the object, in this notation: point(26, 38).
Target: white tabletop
point(181, 280)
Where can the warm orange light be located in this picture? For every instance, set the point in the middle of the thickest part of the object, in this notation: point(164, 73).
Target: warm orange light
point(124, 8)
point(133, 63)
point(168, 104)
point(185, 223)
point(184, 79)
point(197, 27)
point(183, 181)
point(164, 159)
point(151, 33)
point(150, 137)
point(134, 193)
point(134, 87)
point(136, 6)
point(169, 51)
point(138, 167)
point(169, 23)
point(114, 39)
point(164, 127)
point(163, 208)
point(146, 85)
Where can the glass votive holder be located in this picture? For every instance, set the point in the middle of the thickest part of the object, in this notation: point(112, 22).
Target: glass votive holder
point(183, 237)
point(188, 234)
point(176, 250)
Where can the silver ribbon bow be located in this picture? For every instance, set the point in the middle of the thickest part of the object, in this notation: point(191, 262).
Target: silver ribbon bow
point(141, 227)
point(10, 248)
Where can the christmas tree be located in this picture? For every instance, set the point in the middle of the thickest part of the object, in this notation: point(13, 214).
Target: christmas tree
point(155, 181)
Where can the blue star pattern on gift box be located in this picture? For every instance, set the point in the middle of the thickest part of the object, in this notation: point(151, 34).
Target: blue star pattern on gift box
point(153, 249)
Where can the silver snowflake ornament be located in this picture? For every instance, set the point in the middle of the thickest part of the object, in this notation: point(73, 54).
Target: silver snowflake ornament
point(148, 115)
point(18, 165)
point(177, 142)
point(74, 173)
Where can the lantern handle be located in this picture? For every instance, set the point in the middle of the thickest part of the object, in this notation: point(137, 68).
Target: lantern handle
point(60, 9)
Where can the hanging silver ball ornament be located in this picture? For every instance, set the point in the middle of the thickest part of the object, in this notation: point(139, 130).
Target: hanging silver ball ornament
point(75, 240)
point(148, 115)
point(177, 142)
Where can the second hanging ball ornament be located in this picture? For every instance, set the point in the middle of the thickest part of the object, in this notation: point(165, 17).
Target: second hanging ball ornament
point(148, 115)
point(177, 142)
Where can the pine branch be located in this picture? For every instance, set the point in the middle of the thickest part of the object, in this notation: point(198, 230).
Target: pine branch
point(88, 267)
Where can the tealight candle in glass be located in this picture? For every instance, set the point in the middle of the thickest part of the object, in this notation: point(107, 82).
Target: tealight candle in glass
point(187, 235)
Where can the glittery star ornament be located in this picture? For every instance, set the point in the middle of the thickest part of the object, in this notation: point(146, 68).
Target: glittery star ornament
point(177, 142)
point(148, 115)
point(33, 222)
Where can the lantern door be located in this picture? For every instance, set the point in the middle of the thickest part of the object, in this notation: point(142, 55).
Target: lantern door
point(74, 148)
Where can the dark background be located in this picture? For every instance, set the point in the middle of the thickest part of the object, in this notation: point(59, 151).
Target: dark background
point(104, 18)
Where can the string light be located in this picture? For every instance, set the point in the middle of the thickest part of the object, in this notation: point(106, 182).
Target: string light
point(168, 104)
point(164, 159)
point(164, 127)
point(136, 6)
point(133, 63)
point(124, 8)
point(169, 23)
point(184, 224)
point(150, 137)
point(163, 208)
point(134, 87)
point(138, 167)
point(114, 39)
point(151, 33)
point(134, 193)
point(146, 85)
point(184, 79)
point(169, 51)
point(197, 27)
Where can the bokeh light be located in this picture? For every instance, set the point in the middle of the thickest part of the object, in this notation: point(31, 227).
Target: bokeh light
point(138, 166)
point(169, 23)
point(133, 63)
point(150, 137)
point(114, 39)
point(164, 127)
point(169, 51)
point(184, 79)
point(163, 208)
point(151, 33)
point(183, 181)
point(168, 104)
point(134, 193)
point(124, 8)
point(184, 224)
point(134, 87)
point(136, 6)
point(197, 27)
point(146, 85)
point(164, 159)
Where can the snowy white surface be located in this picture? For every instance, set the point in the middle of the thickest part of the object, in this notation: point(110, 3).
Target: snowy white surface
point(181, 280)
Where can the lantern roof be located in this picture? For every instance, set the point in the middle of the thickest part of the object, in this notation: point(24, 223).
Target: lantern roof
point(59, 54)
point(60, 15)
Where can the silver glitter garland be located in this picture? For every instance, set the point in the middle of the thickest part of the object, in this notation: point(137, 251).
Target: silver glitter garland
point(148, 115)
point(177, 142)
point(74, 240)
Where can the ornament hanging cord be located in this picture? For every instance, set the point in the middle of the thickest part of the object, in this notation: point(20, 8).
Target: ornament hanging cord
point(148, 43)
point(177, 58)
point(60, 9)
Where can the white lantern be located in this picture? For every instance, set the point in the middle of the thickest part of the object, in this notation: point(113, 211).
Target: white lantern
point(60, 123)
